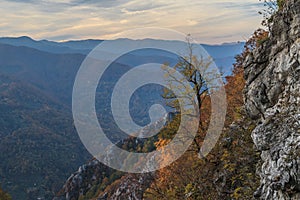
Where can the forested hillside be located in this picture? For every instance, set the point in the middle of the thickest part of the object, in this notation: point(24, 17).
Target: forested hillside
point(259, 136)
point(40, 145)
point(256, 156)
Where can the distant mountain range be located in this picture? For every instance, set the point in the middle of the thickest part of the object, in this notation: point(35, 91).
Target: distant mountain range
point(222, 54)
point(82, 46)
point(39, 145)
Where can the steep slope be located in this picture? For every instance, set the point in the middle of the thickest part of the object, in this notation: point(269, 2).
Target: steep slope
point(272, 91)
point(52, 73)
point(96, 179)
point(227, 173)
point(38, 143)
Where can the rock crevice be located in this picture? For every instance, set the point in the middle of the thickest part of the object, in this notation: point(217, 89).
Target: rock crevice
point(272, 96)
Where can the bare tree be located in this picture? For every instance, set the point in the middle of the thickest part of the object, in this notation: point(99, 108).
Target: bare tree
point(196, 70)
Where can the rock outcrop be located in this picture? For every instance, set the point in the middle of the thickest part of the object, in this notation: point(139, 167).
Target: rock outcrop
point(272, 96)
point(80, 182)
point(130, 186)
point(86, 183)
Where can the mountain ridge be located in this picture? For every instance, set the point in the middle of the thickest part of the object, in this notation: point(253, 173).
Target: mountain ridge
point(36, 111)
point(223, 54)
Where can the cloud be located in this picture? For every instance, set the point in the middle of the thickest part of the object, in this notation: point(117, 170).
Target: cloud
point(21, 1)
point(134, 12)
point(98, 3)
point(191, 22)
point(75, 19)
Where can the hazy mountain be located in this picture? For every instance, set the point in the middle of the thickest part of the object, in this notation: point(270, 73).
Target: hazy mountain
point(39, 145)
point(52, 73)
point(82, 47)
point(223, 54)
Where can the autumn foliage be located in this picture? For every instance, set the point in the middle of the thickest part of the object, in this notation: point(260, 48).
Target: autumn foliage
point(4, 195)
point(228, 172)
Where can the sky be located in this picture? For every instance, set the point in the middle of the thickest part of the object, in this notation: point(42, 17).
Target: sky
point(209, 21)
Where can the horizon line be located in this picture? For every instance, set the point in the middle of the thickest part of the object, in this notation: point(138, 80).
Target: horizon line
point(98, 39)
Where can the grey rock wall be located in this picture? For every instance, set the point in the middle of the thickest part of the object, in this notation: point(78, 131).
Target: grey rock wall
point(272, 97)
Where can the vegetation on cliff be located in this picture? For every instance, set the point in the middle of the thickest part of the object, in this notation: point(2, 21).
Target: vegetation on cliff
point(229, 171)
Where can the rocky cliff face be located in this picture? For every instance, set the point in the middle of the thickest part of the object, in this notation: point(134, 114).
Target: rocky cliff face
point(97, 181)
point(272, 96)
point(80, 182)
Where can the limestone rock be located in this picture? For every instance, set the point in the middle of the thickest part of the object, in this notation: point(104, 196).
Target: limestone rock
point(272, 96)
